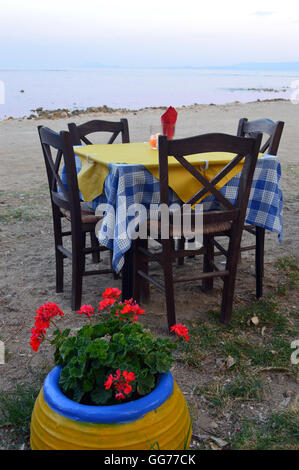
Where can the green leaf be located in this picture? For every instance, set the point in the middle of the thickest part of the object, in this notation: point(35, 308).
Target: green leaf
point(86, 332)
point(76, 372)
point(66, 332)
point(88, 385)
point(97, 349)
point(78, 394)
point(66, 381)
point(100, 378)
point(100, 396)
point(145, 384)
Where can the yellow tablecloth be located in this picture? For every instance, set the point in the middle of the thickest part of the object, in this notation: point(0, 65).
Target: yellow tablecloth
point(95, 160)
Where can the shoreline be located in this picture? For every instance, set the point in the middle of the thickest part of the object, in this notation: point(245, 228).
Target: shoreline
point(60, 113)
point(21, 147)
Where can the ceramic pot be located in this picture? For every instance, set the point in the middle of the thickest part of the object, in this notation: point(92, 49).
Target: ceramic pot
point(159, 420)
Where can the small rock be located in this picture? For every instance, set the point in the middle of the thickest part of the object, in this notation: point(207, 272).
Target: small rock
point(288, 393)
point(220, 442)
point(230, 361)
point(213, 424)
point(255, 320)
point(219, 362)
point(202, 436)
point(286, 401)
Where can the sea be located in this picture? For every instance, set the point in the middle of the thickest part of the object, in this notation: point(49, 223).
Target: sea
point(24, 90)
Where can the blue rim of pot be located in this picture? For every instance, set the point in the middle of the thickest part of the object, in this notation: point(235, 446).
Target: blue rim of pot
point(120, 413)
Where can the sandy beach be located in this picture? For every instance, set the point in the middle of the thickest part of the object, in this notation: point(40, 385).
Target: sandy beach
point(27, 277)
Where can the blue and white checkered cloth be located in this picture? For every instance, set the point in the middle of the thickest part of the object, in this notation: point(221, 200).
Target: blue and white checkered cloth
point(126, 185)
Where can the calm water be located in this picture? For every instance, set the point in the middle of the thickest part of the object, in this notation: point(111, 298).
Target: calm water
point(135, 88)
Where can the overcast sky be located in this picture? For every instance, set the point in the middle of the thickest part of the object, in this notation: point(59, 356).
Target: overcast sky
point(37, 33)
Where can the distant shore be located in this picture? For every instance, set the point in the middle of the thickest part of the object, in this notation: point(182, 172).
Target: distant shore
point(60, 113)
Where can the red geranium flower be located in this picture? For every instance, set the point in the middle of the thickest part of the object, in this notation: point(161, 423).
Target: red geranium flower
point(180, 330)
point(111, 292)
point(87, 310)
point(34, 343)
point(49, 310)
point(44, 314)
point(106, 303)
point(129, 376)
point(131, 310)
point(119, 396)
point(108, 382)
point(121, 383)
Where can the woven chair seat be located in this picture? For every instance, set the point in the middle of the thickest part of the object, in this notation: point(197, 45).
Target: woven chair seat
point(205, 230)
point(87, 214)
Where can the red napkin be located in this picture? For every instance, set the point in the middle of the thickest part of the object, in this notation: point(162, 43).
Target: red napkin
point(168, 120)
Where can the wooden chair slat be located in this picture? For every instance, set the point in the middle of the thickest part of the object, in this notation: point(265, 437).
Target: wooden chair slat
point(79, 132)
point(208, 186)
point(217, 178)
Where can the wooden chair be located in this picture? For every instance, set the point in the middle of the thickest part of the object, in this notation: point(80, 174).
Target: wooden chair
point(67, 204)
point(273, 130)
point(79, 133)
point(229, 219)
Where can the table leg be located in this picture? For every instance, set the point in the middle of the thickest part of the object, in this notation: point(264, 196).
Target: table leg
point(128, 275)
point(142, 285)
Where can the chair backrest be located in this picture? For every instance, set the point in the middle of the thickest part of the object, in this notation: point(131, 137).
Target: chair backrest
point(80, 132)
point(58, 147)
point(241, 147)
point(266, 126)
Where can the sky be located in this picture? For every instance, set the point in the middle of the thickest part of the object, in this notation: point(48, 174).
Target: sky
point(132, 33)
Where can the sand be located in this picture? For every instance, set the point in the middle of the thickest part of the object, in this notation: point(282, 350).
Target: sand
point(27, 257)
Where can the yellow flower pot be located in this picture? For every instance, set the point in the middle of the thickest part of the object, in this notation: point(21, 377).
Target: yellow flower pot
point(160, 420)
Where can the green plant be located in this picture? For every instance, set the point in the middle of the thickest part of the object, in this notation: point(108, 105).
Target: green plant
point(279, 432)
point(16, 408)
point(115, 359)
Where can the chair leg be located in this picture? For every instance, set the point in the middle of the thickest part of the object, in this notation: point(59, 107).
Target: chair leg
point(208, 260)
point(76, 288)
point(168, 282)
point(141, 291)
point(59, 270)
point(83, 246)
point(137, 267)
point(259, 260)
point(229, 281)
point(96, 256)
point(78, 266)
point(58, 255)
point(181, 246)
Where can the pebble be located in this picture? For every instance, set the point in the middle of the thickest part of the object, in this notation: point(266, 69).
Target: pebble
point(213, 424)
point(288, 393)
point(286, 401)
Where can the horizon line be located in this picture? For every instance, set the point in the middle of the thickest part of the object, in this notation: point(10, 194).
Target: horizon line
point(243, 65)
